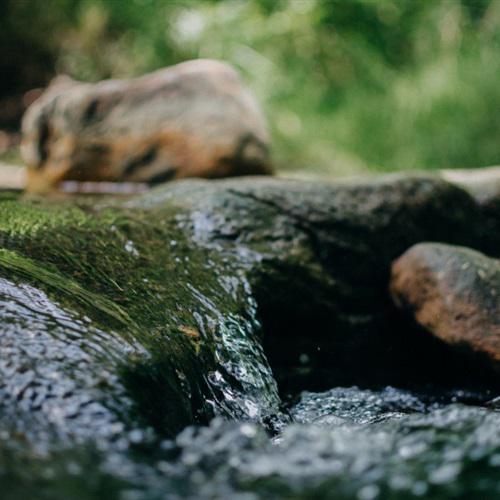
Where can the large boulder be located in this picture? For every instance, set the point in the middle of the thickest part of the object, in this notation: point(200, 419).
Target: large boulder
point(187, 278)
point(321, 263)
point(195, 119)
point(124, 320)
point(454, 293)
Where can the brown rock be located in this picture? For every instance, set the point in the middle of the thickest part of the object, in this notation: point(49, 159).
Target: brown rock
point(454, 293)
point(195, 119)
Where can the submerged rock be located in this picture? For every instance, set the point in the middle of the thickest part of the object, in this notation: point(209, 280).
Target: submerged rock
point(454, 293)
point(447, 453)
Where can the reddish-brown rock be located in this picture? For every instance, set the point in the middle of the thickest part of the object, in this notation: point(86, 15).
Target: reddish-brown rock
point(454, 293)
point(195, 119)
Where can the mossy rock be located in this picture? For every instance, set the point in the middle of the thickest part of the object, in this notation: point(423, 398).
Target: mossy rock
point(137, 299)
point(136, 317)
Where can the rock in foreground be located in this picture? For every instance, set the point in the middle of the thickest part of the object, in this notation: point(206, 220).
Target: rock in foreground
point(124, 321)
point(182, 299)
point(454, 293)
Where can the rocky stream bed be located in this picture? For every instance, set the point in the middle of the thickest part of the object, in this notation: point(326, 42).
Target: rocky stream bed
point(252, 338)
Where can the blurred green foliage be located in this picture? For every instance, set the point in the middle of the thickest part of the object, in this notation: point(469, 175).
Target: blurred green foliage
point(348, 85)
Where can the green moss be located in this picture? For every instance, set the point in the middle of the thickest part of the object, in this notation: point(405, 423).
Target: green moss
point(136, 272)
point(32, 271)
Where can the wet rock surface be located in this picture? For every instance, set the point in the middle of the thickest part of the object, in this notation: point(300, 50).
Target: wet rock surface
point(454, 293)
point(320, 260)
point(449, 451)
point(435, 454)
point(125, 320)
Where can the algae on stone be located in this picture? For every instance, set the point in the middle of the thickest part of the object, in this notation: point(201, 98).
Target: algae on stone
point(133, 273)
point(124, 321)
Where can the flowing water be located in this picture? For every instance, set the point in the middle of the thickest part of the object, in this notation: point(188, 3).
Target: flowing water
point(345, 443)
point(342, 443)
point(88, 372)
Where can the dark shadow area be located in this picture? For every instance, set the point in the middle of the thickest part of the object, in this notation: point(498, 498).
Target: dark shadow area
point(163, 400)
point(312, 346)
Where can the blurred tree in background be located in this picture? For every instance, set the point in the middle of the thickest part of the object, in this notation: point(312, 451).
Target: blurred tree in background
point(348, 85)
